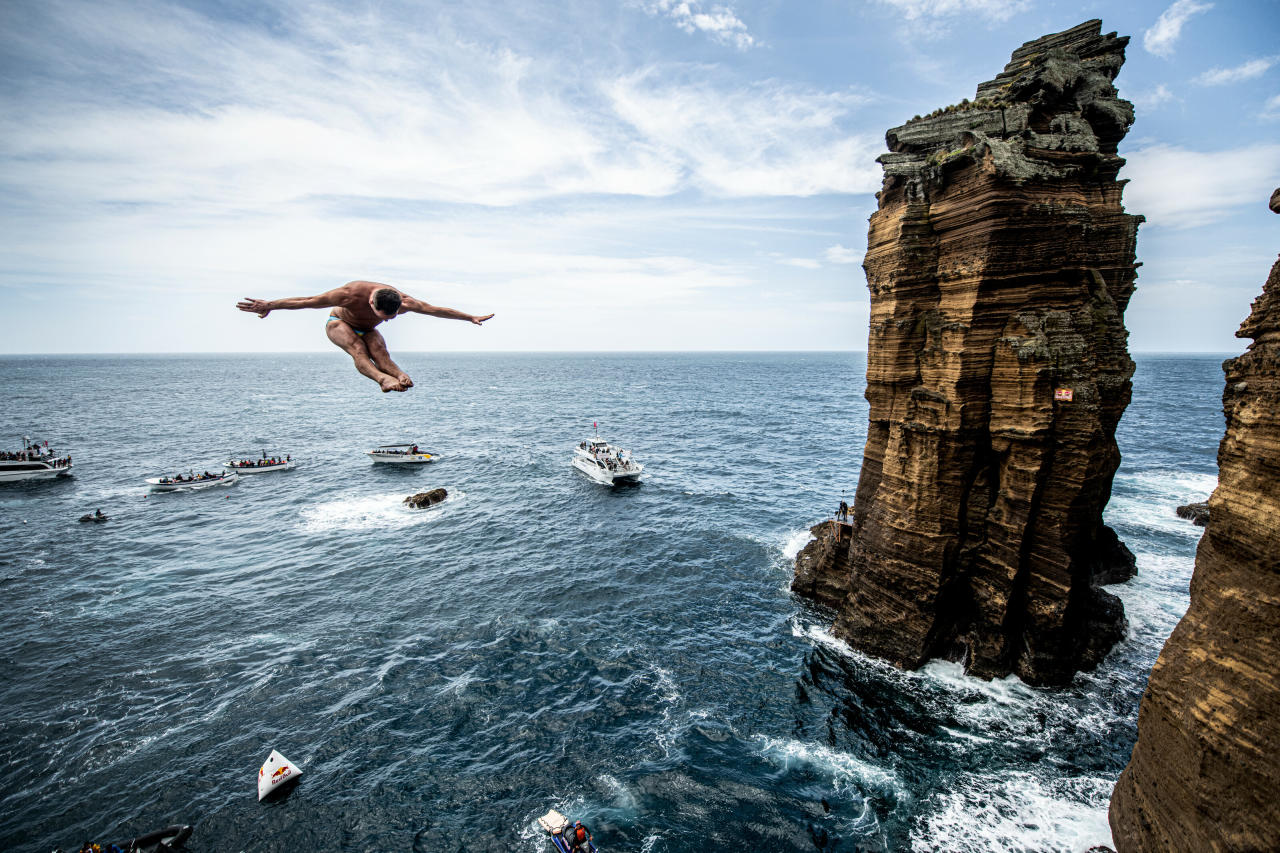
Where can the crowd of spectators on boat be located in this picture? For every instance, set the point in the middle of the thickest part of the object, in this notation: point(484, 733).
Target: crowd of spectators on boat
point(35, 454)
point(265, 462)
point(395, 451)
point(189, 478)
point(614, 460)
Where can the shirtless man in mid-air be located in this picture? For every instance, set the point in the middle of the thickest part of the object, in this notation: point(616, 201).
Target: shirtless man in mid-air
point(358, 307)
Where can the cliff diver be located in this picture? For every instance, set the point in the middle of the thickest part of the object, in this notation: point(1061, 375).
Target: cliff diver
point(358, 308)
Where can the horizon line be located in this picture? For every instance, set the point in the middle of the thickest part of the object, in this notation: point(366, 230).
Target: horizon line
point(1228, 353)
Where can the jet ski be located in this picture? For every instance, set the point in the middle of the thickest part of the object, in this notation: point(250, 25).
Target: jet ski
point(559, 828)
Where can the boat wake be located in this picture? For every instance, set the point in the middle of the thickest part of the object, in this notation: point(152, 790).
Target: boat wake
point(372, 512)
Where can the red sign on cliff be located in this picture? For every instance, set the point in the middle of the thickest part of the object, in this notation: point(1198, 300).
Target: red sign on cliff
point(1062, 395)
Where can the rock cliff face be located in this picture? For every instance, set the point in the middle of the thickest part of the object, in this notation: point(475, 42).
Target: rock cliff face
point(1000, 263)
point(1205, 771)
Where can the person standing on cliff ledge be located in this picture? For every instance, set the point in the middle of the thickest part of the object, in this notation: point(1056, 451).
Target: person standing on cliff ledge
point(358, 308)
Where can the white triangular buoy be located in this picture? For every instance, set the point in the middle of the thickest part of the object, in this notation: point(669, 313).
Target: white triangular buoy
point(276, 771)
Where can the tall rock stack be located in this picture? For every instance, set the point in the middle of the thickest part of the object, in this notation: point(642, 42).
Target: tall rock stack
point(1000, 263)
point(1205, 772)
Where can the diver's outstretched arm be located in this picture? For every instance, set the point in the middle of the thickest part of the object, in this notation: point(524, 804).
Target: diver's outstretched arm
point(417, 306)
point(263, 307)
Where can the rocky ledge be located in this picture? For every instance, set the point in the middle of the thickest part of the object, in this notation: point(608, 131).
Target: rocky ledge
point(422, 500)
point(1206, 767)
point(1000, 262)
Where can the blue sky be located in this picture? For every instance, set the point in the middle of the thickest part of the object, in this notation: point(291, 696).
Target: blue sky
point(644, 174)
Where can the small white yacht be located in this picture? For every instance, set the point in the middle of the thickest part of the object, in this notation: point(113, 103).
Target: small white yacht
point(606, 464)
point(33, 462)
point(260, 466)
point(401, 454)
point(192, 481)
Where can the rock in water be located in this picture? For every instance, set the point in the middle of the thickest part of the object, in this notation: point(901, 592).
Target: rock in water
point(422, 500)
point(1000, 262)
point(1197, 514)
point(1205, 771)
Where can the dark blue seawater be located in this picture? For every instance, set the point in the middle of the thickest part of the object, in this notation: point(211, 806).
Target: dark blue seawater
point(631, 656)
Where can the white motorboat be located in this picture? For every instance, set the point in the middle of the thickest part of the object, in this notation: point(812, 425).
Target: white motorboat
point(401, 454)
point(33, 462)
point(191, 481)
point(260, 466)
point(606, 464)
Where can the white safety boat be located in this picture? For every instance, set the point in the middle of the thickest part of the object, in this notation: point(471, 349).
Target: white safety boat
point(260, 466)
point(401, 454)
point(191, 481)
point(33, 462)
point(276, 772)
point(606, 464)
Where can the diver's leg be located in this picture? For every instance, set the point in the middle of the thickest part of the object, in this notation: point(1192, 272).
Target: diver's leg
point(378, 352)
point(345, 337)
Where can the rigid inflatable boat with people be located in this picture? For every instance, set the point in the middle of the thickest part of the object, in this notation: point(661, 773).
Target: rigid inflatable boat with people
point(191, 481)
point(274, 462)
point(169, 838)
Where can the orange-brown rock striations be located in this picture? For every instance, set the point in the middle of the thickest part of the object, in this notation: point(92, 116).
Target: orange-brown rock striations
point(1205, 772)
point(1000, 262)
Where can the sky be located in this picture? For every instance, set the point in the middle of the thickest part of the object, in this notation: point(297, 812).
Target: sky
point(631, 175)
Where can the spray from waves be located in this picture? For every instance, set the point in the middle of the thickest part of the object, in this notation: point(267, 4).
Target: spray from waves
point(794, 544)
point(368, 512)
point(1174, 485)
point(669, 695)
point(1152, 518)
point(849, 774)
point(1016, 810)
point(851, 778)
point(1157, 597)
point(1041, 810)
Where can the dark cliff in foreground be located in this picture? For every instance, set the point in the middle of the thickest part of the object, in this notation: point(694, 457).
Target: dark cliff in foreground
point(1000, 263)
point(1205, 772)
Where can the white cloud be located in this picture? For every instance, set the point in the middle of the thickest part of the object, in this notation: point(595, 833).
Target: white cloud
point(1247, 71)
point(838, 254)
point(1178, 188)
point(1154, 98)
point(1271, 109)
point(802, 263)
point(426, 117)
point(769, 139)
point(1164, 34)
point(995, 10)
point(719, 22)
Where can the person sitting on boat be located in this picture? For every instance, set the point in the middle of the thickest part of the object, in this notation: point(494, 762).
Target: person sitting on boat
point(578, 837)
point(358, 308)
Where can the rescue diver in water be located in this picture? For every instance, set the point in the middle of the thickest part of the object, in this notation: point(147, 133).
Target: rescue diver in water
point(358, 308)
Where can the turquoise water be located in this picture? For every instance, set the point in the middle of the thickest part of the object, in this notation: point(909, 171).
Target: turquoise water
point(631, 657)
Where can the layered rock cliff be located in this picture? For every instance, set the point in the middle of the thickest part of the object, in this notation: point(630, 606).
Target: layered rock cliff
point(1000, 262)
point(1205, 771)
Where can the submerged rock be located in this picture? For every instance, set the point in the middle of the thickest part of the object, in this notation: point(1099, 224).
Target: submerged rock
point(1197, 514)
point(423, 500)
point(1206, 768)
point(1000, 262)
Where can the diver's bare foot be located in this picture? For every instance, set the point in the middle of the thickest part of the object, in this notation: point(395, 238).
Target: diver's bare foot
point(390, 383)
point(405, 381)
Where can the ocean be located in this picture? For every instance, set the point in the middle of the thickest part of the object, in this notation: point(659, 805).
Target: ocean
point(631, 657)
